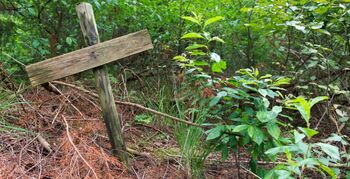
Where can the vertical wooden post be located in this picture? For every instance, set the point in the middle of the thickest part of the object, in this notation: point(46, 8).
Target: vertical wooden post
point(109, 112)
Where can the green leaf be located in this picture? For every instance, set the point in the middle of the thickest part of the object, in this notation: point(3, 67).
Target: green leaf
point(318, 99)
point(328, 170)
point(196, 46)
point(273, 130)
point(298, 137)
point(180, 58)
point(251, 131)
point(69, 40)
point(277, 109)
point(259, 136)
point(217, 39)
point(143, 118)
point(215, 132)
point(317, 25)
point(330, 150)
point(308, 132)
point(200, 63)
point(303, 107)
point(212, 20)
point(240, 128)
point(281, 81)
point(256, 134)
point(263, 92)
point(217, 98)
point(197, 53)
point(192, 19)
point(264, 116)
point(192, 35)
point(218, 67)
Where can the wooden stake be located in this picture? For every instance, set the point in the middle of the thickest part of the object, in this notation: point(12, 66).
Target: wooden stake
point(110, 115)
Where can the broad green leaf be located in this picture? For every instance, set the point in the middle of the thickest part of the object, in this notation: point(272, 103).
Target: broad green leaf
point(308, 161)
point(217, 98)
point(281, 81)
point(192, 19)
point(264, 116)
point(180, 58)
point(69, 40)
point(308, 132)
point(196, 46)
point(330, 150)
point(317, 25)
point(256, 134)
point(317, 99)
point(218, 67)
point(298, 137)
point(259, 137)
point(273, 130)
point(328, 170)
point(265, 76)
point(200, 63)
point(192, 35)
point(212, 20)
point(197, 53)
point(263, 92)
point(277, 109)
point(251, 131)
point(240, 128)
point(218, 39)
point(215, 132)
point(303, 107)
point(281, 149)
point(143, 118)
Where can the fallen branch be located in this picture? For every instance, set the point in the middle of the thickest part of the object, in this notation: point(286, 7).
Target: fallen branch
point(75, 148)
point(130, 104)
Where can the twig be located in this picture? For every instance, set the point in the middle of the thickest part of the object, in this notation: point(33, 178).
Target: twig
point(54, 87)
point(250, 172)
point(17, 61)
point(76, 149)
point(325, 112)
point(131, 104)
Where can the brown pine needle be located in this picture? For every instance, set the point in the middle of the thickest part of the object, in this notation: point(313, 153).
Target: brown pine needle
point(76, 149)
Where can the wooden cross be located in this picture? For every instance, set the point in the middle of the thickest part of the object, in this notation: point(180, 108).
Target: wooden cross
point(94, 57)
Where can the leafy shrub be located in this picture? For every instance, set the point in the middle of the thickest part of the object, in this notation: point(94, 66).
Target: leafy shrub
point(245, 110)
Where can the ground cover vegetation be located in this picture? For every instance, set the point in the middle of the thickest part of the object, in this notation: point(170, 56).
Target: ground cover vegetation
point(257, 89)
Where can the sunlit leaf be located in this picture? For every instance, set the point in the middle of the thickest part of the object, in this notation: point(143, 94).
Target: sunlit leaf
point(196, 46)
point(192, 35)
point(215, 57)
point(192, 19)
point(317, 99)
point(180, 58)
point(212, 20)
point(330, 150)
point(218, 39)
point(218, 67)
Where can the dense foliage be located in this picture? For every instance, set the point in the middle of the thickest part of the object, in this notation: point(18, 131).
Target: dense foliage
point(241, 69)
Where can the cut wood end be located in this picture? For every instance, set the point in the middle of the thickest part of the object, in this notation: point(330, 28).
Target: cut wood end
point(83, 4)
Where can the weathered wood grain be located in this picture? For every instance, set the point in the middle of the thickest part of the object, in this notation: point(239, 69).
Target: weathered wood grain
point(89, 57)
point(109, 112)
